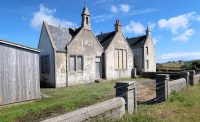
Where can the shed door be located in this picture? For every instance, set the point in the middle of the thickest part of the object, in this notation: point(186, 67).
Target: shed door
point(98, 67)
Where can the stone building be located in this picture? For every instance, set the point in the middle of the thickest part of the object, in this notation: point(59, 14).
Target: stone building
point(70, 56)
point(118, 56)
point(144, 52)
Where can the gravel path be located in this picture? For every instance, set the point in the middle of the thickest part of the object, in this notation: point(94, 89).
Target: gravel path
point(146, 89)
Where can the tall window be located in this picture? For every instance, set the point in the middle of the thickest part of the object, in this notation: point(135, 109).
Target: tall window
point(147, 63)
point(45, 64)
point(120, 59)
point(76, 63)
point(87, 20)
point(72, 63)
point(80, 63)
point(147, 50)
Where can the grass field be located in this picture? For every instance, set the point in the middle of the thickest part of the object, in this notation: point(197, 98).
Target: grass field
point(180, 107)
point(60, 101)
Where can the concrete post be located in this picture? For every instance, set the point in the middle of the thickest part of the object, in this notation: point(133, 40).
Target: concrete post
point(134, 73)
point(185, 75)
point(127, 90)
point(191, 77)
point(162, 87)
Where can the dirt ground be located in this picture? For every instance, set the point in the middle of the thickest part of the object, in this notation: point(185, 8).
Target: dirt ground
point(146, 89)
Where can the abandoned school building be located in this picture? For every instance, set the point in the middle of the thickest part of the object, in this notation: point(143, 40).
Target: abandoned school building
point(76, 56)
point(70, 56)
point(118, 56)
point(19, 73)
point(144, 52)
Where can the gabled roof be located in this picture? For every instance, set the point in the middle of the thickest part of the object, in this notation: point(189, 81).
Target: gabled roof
point(19, 46)
point(137, 41)
point(62, 36)
point(106, 38)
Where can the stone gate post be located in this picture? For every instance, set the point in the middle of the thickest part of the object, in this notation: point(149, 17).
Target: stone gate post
point(127, 90)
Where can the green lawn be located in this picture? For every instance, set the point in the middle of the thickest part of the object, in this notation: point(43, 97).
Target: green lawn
point(61, 100)
point(180, 107)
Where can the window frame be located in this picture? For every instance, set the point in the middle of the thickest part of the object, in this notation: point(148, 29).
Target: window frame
point(123, 66)
point(76, 69)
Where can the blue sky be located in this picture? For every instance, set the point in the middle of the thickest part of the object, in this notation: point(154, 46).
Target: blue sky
point(175, 24)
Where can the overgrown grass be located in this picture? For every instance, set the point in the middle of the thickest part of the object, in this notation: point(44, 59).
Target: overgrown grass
point(180, 107)
point(60, 101)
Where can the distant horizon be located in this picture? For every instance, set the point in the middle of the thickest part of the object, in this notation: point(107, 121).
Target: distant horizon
point(175, 26)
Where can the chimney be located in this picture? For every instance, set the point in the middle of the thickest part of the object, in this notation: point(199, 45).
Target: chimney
point(118, 26)
point(148, 32)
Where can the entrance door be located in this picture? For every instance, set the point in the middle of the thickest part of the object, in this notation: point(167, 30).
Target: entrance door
point(98, 67)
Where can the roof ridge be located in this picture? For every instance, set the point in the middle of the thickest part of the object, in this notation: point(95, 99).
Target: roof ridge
point(105, 33)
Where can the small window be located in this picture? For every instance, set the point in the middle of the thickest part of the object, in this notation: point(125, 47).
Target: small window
point(80, 63)
point(147, 61)
point(147, 50)
point(87, 20)
point(72, 63)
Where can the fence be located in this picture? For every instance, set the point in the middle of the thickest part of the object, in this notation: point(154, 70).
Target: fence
point(165, 86)
point(114, 108)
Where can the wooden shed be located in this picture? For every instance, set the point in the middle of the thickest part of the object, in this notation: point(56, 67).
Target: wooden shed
point(19, 73)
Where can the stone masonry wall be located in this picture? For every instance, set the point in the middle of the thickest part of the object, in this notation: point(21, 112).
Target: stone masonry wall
point(114, 108)
point(177, 85)
point(197, 79)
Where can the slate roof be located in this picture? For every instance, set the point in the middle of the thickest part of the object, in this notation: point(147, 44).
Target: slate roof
point(106, 38)
point(62, 36)
point(137, 41)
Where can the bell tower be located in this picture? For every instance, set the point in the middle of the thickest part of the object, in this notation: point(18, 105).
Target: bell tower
point(86, 19)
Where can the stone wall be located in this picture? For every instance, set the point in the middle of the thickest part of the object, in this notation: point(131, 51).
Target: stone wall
point(197, 78)
point(114, 108)
point(164, 87)
point(177, 85)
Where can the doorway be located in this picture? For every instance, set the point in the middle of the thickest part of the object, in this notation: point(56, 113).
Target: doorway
point(98, 64)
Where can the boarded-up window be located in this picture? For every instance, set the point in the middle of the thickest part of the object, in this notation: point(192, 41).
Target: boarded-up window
point(120, 59)
point(124, 59)
point(80, 63)
point(147, 63)
point(45, 64)
point(72, 63)
point(116, 59)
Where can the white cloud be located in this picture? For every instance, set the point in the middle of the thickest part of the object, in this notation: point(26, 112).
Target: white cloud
point(176, 23)
point(180, 26)
point(181, 56)
point(46, 14)
point(125, 8)
point(102, 18)
point(114, 9)
point(135, 27)
point(185, 36)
